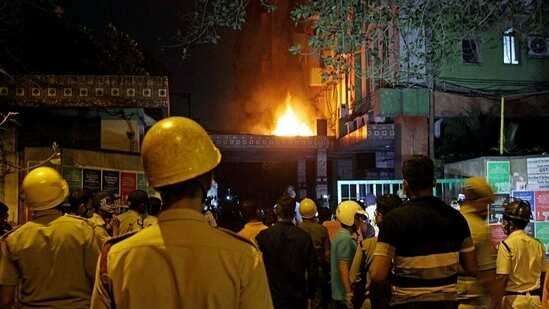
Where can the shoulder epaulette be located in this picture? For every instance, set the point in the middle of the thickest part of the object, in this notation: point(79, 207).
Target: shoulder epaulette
point(235, 235)
point(116, 239)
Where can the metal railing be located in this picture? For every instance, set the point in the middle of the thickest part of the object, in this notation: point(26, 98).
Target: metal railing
point(445, 189)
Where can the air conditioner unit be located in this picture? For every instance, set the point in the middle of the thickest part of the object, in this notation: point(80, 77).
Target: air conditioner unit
point(538, 47)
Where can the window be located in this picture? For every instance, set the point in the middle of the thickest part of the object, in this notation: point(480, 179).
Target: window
point(510, 48)
point(470, 51)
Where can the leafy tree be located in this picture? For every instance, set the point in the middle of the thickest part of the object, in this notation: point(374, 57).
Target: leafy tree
point(428, 31)
point(202, 23)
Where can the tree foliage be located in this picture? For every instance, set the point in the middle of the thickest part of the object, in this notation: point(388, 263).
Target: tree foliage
point(202, 23)
point(428, 31)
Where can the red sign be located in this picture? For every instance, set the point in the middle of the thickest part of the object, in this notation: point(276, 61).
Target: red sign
point(542, 205)
point(128, 183)
point(497, 234)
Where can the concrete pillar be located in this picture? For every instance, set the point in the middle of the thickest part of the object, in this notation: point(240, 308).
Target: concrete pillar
point(321, 185)
point(301, 179)
point(412, 137)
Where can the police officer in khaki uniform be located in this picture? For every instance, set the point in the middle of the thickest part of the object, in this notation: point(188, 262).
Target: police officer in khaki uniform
point(52, 257)
point(182, 261)
point(520, 261)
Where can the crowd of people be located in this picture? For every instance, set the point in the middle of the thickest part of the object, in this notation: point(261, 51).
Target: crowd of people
point(81, 250)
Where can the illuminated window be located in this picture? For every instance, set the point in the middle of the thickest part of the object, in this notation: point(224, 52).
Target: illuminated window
point(510, 48)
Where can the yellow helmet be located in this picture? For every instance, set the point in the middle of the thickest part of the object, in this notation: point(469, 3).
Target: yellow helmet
point(476, 188)
point(307, 208)
point(177, 149)
point(44, 188)
point(347, 210)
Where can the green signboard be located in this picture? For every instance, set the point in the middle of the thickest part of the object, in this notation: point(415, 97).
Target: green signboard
point(73, 176)
point(498, 175)
point(142, 182)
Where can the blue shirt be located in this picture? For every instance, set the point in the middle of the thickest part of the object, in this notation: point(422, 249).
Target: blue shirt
point(343, 249)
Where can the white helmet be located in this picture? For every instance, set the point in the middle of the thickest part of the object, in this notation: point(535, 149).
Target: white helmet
point(347, 210)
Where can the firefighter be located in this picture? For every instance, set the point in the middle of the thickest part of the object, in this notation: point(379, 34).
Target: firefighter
point(520, 261)
point(53, 257)
point(183, 262)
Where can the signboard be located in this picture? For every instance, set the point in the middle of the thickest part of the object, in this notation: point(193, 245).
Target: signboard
point(538, 173)
point(73, 176)
point(497, 174)
point(542, 234)
point(142, 182)
point(525, 196)
point(111, 181)
point(128, 183)
point(541, 206)
point(91, 179)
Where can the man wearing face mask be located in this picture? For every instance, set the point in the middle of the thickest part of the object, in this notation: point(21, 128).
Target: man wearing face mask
point(478, 292)
point(520, 260)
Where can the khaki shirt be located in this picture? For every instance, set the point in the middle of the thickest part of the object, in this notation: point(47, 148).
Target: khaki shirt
point(251, 229)
point(182, 262)
point(130, 221)
point(469, 287)
point(524, 264)
point(53, 258)
point(150, 220)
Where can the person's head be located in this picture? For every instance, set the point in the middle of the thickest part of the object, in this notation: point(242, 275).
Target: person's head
point(478, 195)
point(385, 204)
point(249, 209)
point(350, 214)
point(290, 191)
point(104, 203)
point(419, 176)
point(3, 212)
point(82, 203)
point(307, 208)
point(325, 214)
point(44, 188)
point(138, 200)
point(516, 216)
point(285, 208)
point(155, 205)
point(178, 159)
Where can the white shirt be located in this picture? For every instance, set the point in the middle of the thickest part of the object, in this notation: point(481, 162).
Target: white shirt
point(523, 264)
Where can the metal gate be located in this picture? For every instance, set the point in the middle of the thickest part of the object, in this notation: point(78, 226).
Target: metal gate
point(445, 189)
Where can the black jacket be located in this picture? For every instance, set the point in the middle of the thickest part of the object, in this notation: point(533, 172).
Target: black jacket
point(291, 263)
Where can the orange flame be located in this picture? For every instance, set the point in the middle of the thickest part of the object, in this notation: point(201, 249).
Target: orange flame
point(290, 125)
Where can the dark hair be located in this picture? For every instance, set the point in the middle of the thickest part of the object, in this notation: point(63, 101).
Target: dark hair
point(285, 207)
point(155, 204)
point(175, 192)
point(79, 197)
point(249, 210)
point(388, 202)
point(3, 208)
point(102, 195)
point(324, 214)
point(419, 172)
point(138, 200)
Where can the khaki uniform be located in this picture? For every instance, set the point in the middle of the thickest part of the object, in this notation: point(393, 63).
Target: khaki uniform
point(130, 221)
point(251, 229)
point(523, 260)
point(181, 263)
point(150, 220)
point(471, 293)
point(53, 258)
